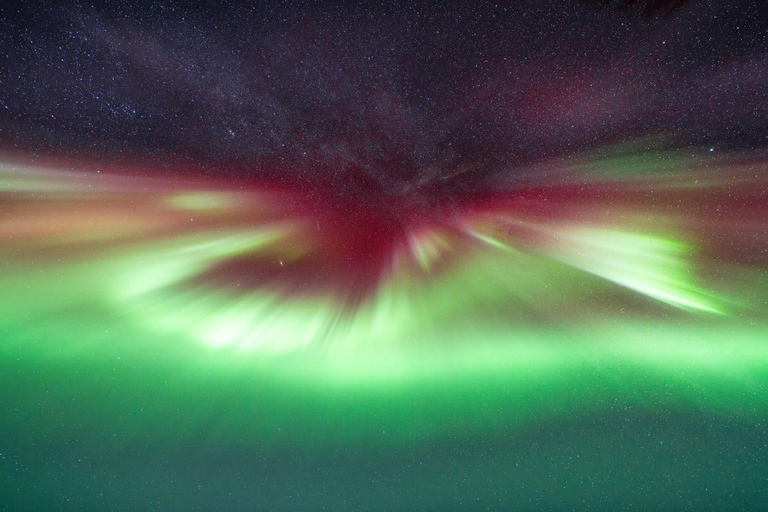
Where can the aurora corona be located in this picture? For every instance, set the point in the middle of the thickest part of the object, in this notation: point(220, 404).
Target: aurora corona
point(262, 271)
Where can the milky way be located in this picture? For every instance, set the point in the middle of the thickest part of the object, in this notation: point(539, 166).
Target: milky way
point(384, 258)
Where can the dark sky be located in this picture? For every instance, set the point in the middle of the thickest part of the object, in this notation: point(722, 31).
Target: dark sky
point(380, 98)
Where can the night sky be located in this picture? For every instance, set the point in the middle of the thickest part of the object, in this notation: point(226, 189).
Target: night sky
point(384, 256)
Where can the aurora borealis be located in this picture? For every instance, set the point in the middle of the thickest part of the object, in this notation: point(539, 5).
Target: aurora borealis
point(337, 257)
